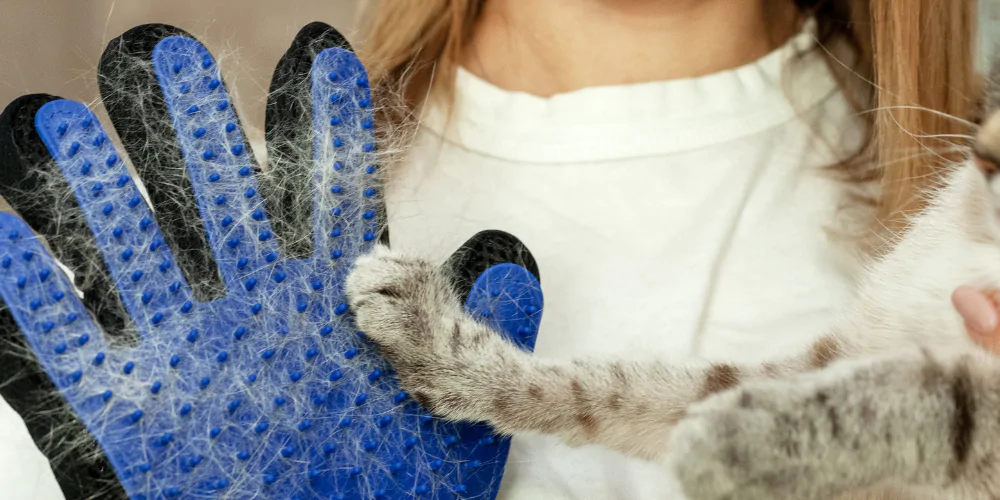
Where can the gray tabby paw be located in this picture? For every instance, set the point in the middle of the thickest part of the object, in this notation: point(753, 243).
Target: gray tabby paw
point(392, 297)
point(738, 445)
point(406, 307)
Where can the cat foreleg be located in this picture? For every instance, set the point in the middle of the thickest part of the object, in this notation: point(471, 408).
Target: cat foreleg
point(461, 370)
point(909, 418)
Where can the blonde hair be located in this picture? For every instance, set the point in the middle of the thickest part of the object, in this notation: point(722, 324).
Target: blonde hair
point(913, 60)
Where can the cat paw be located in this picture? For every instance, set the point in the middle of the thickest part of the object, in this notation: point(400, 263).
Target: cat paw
point(395, 298)
point(407, 308)
point(736, 445)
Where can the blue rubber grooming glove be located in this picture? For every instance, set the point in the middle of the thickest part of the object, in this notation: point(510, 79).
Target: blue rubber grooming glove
point(190, 315)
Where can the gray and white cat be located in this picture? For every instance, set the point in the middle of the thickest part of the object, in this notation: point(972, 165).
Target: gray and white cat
point(896, 392)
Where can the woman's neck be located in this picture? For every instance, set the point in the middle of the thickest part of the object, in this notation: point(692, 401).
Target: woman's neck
point(562, 45)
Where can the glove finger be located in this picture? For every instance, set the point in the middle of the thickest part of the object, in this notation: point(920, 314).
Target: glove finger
point(34, 186)
point(288, 185)
point(67, 343)
point(347, 202)
point(218, 160)
point(50, 315)
point(141, 266)
point(498, 278)
point(131, 94)
point(482, 251)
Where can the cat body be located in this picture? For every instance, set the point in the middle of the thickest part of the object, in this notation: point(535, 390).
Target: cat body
point(895, 392)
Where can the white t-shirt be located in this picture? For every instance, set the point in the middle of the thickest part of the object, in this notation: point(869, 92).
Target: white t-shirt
point(669, 219)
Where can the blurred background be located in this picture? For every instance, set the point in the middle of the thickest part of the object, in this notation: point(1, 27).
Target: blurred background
point(53, 46)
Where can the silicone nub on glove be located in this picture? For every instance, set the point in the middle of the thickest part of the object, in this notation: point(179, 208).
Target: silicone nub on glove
point(213, 354)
